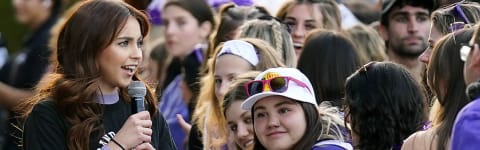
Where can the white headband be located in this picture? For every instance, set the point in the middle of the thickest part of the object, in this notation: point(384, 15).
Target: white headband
point(240, 48)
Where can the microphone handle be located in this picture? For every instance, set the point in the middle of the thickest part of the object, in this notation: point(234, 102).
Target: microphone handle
point(138, 104)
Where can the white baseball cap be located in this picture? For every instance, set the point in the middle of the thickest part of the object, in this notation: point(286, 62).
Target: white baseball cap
point(294, 91)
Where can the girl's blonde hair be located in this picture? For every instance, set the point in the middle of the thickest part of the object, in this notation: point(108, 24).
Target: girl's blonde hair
point(333, 125)
point(208, 113)
point(274, 33)
point(368, 43)
point(443, 18)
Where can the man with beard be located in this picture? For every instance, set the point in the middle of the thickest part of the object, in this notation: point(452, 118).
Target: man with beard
point(404, 26)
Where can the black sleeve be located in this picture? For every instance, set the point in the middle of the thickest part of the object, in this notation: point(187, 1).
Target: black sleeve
point(165, 140)
point(34, 67)
point(43, 129)
point(195, 139)
point(173, 69)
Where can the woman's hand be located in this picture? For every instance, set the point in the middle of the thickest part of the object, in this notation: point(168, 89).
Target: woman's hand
point(135, 131)
point(144, 146)
point(185, 125)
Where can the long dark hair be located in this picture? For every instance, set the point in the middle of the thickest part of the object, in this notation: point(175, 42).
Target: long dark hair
point(198, 8)
point(328, 58)
point(445, 78)
point(384, 104)
point(74, 84)
point(310, 137)
point(56, 8)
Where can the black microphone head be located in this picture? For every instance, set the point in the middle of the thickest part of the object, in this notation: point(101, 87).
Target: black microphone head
point(137, 89)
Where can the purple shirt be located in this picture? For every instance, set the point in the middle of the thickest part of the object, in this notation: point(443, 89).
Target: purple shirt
point(155, 12)
point(172, 103)
point(332, 145)
point(217, 3)
point(466, 130)
point(327, 147)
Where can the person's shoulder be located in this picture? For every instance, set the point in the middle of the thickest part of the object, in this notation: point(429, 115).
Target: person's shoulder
point(470, 112)
point(44, 105)
point(45, 113)
point(469, 115)
point(332, 145)
point(328, 147)
point(465, 131)
point(430, 133)
point(44, 109)
point(420, 140)
point(472, 107)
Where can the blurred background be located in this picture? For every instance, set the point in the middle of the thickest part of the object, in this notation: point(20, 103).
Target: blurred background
point(10, 30)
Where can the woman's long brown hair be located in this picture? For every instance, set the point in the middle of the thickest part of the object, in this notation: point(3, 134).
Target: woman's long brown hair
point(74, 84)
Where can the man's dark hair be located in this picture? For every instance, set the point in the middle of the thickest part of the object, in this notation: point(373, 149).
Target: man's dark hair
point(389, 5)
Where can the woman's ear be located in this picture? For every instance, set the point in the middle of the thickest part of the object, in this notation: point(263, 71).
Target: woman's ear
point(205, 29)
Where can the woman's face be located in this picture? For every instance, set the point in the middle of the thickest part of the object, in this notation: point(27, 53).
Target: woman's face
point(279, 122)
point(433, 37)
point(31, 11)
point(226, 68)
point(182, 31)
point(119, 61)
point(240, 125)
point(302, 18)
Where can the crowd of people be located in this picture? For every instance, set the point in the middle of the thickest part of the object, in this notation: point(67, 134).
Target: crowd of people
point(243, 75)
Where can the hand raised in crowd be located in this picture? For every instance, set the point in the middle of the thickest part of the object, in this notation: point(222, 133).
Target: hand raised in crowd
point(185, 125)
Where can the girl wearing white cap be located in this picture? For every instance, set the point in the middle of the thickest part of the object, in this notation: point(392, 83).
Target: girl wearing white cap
point(283, 107)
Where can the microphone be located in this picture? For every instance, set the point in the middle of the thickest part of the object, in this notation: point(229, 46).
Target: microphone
point(137, 92)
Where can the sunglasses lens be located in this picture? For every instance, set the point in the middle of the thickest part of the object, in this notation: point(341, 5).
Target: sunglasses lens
point(278, 84)
point(255, 87)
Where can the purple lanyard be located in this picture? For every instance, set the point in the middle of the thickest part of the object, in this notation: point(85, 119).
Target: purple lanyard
point(198, 53)
point(427, 125)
